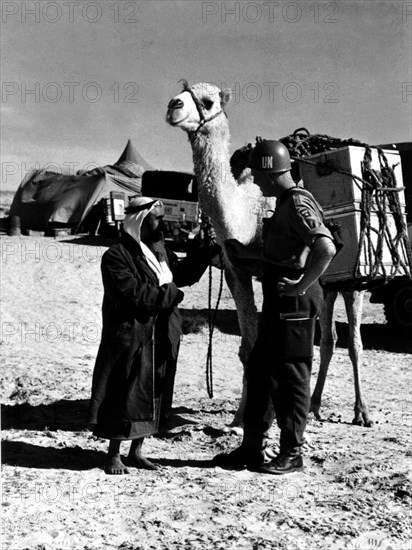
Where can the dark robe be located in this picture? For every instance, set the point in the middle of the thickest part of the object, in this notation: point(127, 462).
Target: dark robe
point(135, 366)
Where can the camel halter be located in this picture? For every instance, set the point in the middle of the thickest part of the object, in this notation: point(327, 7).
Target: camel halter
point(199, 104)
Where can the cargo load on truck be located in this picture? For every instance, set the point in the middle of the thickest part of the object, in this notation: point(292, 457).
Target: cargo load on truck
point(360, 188)
point(370, 212)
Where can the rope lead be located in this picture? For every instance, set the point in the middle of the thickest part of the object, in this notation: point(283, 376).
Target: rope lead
point(212, 322)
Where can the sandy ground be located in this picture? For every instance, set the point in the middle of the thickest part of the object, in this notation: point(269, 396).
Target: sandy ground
point(354, 493)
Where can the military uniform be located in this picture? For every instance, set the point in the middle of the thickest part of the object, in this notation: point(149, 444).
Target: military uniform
point(279, 367)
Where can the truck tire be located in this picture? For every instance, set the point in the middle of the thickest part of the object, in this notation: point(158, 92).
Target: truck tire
point(398, 308)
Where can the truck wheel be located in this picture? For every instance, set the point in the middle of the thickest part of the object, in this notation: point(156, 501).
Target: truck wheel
point(398, 308)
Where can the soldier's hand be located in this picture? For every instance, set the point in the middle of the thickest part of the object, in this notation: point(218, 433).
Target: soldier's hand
point(288, 287)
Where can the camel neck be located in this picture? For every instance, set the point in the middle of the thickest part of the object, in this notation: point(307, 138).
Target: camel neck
point(212, 163)
point(217, 186)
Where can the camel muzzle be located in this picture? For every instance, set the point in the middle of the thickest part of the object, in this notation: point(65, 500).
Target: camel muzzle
point(175, 104)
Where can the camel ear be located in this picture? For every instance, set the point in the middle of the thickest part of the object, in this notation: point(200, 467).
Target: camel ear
point(184, 83)
point(225, 97)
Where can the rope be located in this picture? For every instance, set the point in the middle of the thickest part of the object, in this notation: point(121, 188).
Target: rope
point(379, 194)
point(212, 313)
point(212, 323)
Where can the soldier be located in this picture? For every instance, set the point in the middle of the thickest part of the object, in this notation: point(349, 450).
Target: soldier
point(297, 249)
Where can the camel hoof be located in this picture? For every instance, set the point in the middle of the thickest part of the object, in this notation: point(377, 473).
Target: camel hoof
point(235, 430)
point(315, 408)
point(364, 422)
point(316, 414)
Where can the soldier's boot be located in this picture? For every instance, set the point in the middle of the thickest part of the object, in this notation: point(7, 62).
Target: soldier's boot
point(252, 453)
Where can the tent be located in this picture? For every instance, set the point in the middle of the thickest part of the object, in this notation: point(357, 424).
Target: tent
point(45, 199)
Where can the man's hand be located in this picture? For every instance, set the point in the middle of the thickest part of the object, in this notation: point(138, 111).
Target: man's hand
point(207, 232)
point(289, 287)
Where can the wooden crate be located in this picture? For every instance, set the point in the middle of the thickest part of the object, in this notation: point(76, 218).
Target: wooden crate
point(332, 189)
point(180, 211)
point(342, 266)
point(340, 197)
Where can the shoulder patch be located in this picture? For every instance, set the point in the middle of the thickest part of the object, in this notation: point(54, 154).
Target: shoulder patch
point(304, 212)
point(307, 211)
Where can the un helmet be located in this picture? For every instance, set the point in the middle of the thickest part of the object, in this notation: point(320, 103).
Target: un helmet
point(269, 156)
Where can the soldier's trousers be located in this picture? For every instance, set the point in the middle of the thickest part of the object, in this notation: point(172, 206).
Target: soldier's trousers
point(279, 367)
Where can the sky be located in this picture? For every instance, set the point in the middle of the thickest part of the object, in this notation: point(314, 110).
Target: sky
point(79, 78)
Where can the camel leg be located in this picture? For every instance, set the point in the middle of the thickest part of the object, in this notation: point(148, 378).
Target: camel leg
point(327, 345)
point(354, 304)
point(241, 288)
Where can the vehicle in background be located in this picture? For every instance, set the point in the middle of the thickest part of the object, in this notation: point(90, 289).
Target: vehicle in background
point(178, 192)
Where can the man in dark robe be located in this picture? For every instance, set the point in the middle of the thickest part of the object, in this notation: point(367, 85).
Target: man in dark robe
point(135, 367)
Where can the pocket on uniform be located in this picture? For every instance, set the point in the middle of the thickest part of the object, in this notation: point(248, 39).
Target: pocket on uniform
point(297, 337)
point(301, 315)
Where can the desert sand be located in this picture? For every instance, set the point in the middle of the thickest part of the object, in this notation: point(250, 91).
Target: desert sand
point(355, 491)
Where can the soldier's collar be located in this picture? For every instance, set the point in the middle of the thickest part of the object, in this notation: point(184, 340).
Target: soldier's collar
point(288, 193)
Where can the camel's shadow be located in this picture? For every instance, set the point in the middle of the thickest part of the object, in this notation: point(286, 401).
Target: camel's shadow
point(374, 336)
point(194, 320)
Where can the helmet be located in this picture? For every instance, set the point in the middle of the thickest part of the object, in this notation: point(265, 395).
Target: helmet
point(269, 156)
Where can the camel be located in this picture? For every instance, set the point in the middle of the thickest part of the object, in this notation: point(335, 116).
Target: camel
point(236, 209)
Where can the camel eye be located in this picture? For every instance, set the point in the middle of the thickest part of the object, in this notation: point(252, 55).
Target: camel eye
point(207, 103)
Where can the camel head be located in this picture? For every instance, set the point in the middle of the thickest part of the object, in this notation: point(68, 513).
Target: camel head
point(197, 108)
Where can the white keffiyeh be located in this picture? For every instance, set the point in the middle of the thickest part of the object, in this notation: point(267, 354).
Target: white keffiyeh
point(132, 225)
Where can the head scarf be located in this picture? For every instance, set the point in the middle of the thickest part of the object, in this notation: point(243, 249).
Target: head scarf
point(135, 214)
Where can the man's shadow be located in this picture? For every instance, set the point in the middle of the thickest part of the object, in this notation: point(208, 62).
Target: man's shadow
point(63, 415)
point(67, 415)
point(27, 455)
